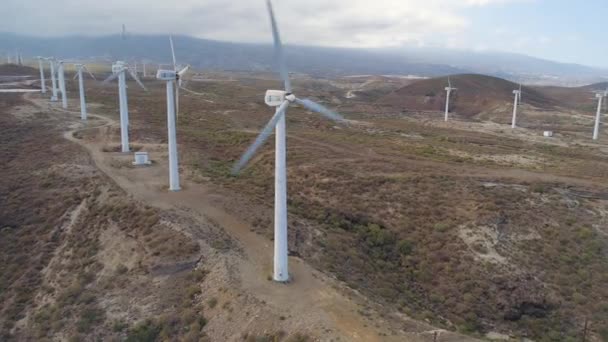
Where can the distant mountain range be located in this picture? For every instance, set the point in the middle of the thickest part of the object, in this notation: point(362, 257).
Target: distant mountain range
point(317, 61)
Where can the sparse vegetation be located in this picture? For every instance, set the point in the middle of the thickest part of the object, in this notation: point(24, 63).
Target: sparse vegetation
point(442, 224)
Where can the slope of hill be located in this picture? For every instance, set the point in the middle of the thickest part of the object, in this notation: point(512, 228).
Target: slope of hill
point(581, 98)
point(475, 94)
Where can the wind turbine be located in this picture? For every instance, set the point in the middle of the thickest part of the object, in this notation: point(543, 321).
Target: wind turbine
point(173, 79)
point(517, 94)
point(120, 70)
point(448, 90)
point(42, 81)
point(61, 75)
point(53, 78)
point(600, 97)
point(83, 105)
point(280, 100)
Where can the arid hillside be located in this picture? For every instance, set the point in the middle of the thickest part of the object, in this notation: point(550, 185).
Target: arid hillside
point(475, 94)
point(581, 98)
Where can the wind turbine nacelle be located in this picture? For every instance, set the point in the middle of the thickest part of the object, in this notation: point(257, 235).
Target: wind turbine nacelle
point(166, 75)
point(516, 92)
point(599, 95)
point(116, 68)
point(275, 98)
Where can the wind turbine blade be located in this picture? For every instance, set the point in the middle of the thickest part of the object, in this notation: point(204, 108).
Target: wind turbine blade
point(75, 76)
point(278, 49)
point(519, 93)
point(449, 82)
point(183, 71)
point(259, 141)
point(137, 80)
point(315, 107)
point(90, 73)
point(194, 92)
point(110, 78)
point(173, 53)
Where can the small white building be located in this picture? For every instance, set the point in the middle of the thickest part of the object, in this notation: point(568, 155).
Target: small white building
point(548, 134)
point(141, 158)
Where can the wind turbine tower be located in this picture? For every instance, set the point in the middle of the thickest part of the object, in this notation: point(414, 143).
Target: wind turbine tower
point(120, 70)
point(83, 104)
point(517, 94)
point(280, 100)
point(596, 129)
point(53, 79)
point(173, 79)
point(448, 90)
point(62, 87)
point(42, 80)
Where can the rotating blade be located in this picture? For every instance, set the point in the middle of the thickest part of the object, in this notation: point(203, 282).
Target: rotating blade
point(75, 76)
point(110, 78)
point(173, 53)
point(194, 92)
point(137, 80)
point(90, 73)
point(261, 139)
point(278, 49)
point(519, 96)
point(449, 82)
point(183, 71)
point(315, 107)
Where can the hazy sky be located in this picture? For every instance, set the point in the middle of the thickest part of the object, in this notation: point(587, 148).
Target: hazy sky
point(563, 30)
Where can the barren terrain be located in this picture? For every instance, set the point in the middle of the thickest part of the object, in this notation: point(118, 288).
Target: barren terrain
point(401, 225)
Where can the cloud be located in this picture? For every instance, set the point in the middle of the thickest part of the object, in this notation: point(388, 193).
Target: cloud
point(349, 23)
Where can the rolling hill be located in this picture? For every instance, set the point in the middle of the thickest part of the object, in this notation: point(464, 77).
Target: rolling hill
point(475, 94)
point(580, 98)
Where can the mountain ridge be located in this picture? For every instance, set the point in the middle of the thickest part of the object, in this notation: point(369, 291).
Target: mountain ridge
point(318, 61)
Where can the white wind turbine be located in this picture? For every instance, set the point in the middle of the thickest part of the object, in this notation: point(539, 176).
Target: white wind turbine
point(600, 97)
point(42, 81)
point(79, 74)
point(173, 79)
point(448, 90)
point(517, 94)
point(120, 70)
point(62, 87)
point(280, 100)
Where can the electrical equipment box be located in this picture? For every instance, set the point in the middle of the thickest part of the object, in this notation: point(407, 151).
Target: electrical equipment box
point(141, 159)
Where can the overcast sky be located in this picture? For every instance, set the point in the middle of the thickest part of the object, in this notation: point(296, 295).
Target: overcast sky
point(563, 30)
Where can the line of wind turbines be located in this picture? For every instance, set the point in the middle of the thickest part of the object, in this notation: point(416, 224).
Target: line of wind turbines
point(279, 100)
point(599, 95)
